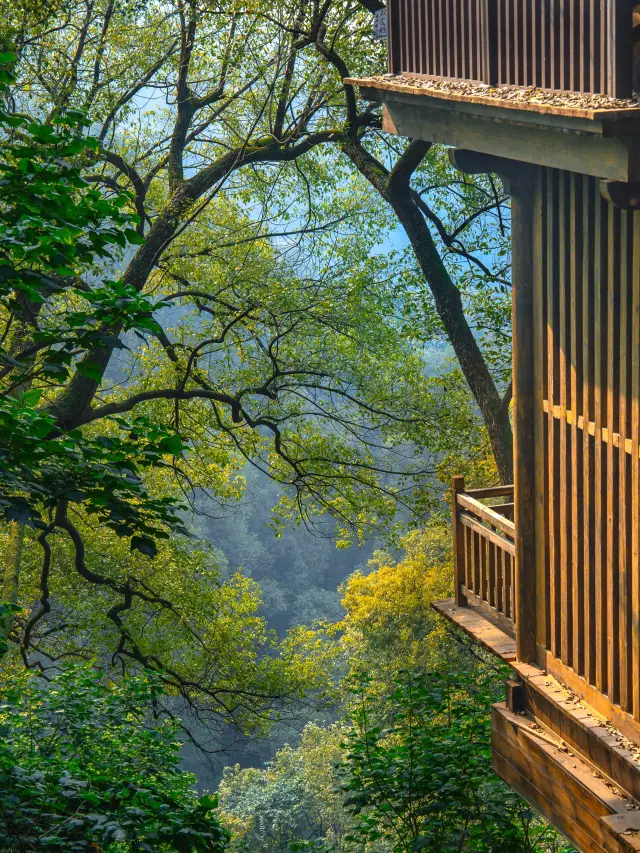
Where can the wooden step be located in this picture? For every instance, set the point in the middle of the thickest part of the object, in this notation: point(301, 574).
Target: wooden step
point(589, 810)
point(554, 707)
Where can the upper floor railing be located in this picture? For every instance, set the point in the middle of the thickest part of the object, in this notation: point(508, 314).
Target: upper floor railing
point(484, 549)
point(565, 45)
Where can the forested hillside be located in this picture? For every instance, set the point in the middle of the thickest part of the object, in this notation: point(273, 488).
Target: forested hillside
point(245, 340)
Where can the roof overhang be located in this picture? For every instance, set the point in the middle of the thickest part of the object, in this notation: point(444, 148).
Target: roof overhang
point(604, 143)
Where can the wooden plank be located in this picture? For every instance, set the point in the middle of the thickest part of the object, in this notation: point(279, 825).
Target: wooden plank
point(624, 491)
point(476, 530)
point(374, 87)
point(522, 227)
point(540, 324)
point(562, 486)
point(492, 590)
point(573, 798)
point(603, 434)
point(490, 492)
point(468, 556)
point(604, 157)
point(599, 382)
point(457, 486)
point(552, 391)
point(503, 509)
point(544, 805)
point(484, 544)
point(576, 337)
point(487, 514)
point(588, 519)
point(612, 495)
point(480, 625)
point(622, 721)
point(499, 616)
point(635, 467)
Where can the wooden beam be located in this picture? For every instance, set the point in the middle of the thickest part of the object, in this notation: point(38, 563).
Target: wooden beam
point(523, 224)
point(514, 695)
point(624, 195)
point(487, 534)
point(612, 157)
point(487, 514)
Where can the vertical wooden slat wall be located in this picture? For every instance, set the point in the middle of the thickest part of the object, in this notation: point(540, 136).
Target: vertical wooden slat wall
point(551, 44)
point(438, 38)
point(588, 329)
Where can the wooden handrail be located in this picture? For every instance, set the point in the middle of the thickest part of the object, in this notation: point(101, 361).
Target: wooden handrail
point(490, 492)
point(486, 533)
point(484, 550)
point(487, 514)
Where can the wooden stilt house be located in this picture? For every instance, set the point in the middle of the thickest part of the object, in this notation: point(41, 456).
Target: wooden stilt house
point(548, 569)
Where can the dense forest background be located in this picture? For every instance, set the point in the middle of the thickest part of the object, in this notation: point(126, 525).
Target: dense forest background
point(246, 338)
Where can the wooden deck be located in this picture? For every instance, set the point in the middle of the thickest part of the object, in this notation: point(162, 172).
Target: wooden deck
point(557, 751)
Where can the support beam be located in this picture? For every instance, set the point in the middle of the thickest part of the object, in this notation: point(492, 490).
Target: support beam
point(626, 196)
point(519, 180)
point(523, 225)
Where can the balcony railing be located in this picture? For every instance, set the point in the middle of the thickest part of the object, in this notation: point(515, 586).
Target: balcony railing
point(484, 549)
point(562, 45)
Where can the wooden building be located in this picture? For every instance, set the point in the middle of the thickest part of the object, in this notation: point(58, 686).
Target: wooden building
point(548, 570)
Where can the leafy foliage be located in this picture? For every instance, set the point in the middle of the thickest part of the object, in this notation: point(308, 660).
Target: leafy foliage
point(293, 798)
point(389, 623)
point(54, 225)
point(418, 775)
point(83, 767)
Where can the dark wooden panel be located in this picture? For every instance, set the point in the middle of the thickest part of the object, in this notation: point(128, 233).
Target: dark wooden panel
point(587, 319)
point(553, 44)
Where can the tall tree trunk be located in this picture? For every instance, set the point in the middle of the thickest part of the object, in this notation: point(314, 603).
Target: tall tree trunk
point(394, 188)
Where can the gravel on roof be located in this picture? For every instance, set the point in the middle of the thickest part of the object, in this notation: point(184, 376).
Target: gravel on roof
point(515, 94)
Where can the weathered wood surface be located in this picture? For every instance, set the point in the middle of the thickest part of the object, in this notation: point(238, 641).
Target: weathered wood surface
point(610, 746)
point(514, 136)
point(589, 451)
point(559, 784)
point(459, 545)
point(583, 47)
point(523, 214)
point(600, 121)
point(480, 626)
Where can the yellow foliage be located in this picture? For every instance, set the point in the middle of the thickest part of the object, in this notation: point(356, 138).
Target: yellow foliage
point(389, 623)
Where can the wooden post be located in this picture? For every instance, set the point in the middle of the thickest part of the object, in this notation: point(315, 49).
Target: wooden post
point(521, 187)
point(620, 49)
point(491, 46)
point(457, 486)
point(519, 181)
point(514, 695)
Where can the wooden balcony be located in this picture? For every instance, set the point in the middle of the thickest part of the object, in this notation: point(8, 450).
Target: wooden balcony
point(561, 45)
point(561, 743)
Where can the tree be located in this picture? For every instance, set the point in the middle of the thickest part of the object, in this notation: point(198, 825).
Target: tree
point(417, 771)
point(84, 767)
point(408, 765)
point(292, 359)
point(293, 798)
point(258, 97)
point(389, 623)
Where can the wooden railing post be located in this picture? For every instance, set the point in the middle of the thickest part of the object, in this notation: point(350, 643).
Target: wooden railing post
point(457, 486)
